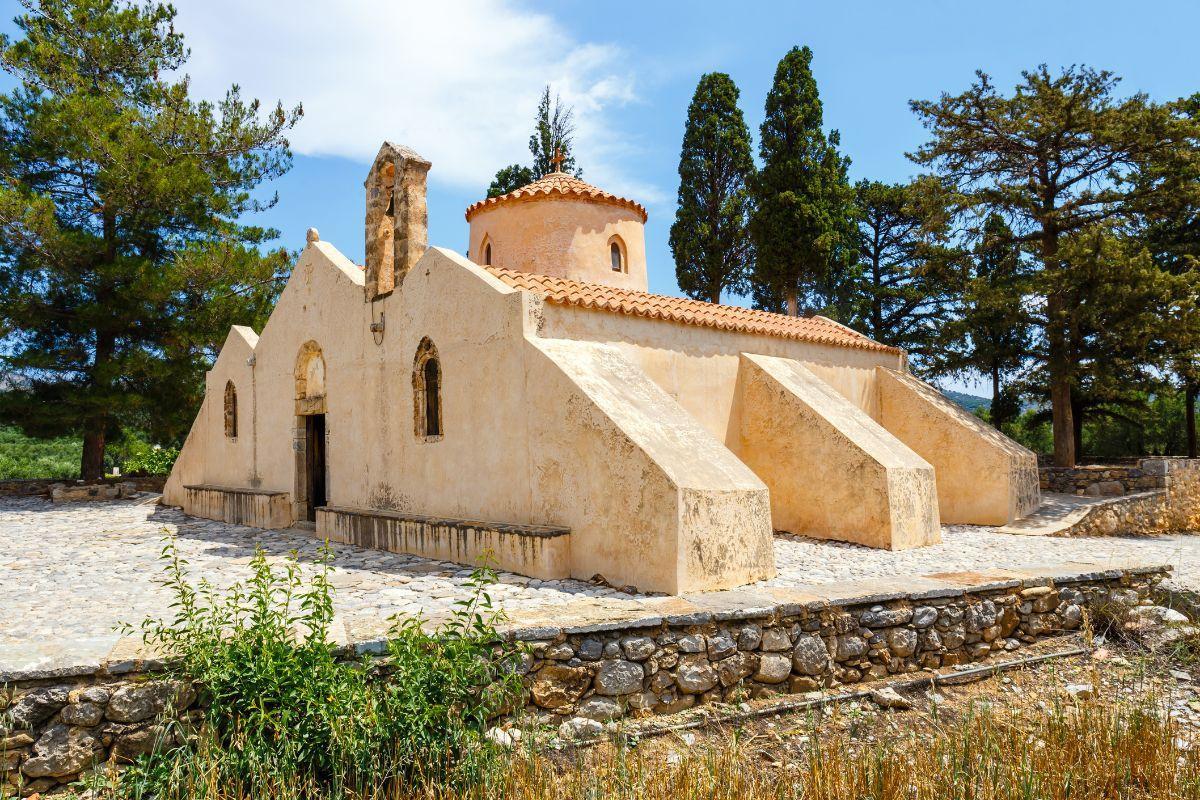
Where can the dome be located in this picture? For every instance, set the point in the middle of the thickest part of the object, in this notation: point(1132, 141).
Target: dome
point(563, 227)
point(558, 184)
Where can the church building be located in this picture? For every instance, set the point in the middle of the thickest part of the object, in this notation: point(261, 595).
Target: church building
point(534, 403)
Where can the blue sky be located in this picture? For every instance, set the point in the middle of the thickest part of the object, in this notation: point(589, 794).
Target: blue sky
point(458, 81)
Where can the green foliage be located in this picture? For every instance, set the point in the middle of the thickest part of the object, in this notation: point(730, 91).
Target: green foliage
point(122, 258)
point(1030, 428)
point(709, 238)
point(22, 456)
point(287, 718)
point(989, 331)
point(897, 293)
point(1058, 157)
point(553, 134)
point(145, 459)
point(803, 223)
point(510, 178)
point(1147, 424)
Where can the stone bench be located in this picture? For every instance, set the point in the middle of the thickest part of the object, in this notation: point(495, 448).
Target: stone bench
point(533, 550)
point(252, 507)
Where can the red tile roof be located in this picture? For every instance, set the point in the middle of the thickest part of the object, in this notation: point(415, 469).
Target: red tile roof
point(557, 183)
point(564, 291)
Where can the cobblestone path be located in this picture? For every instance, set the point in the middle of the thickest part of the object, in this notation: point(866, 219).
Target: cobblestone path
point(70, 574)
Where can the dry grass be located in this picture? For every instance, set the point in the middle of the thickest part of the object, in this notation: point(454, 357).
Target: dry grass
point(1024, 741)
point(1093, 749)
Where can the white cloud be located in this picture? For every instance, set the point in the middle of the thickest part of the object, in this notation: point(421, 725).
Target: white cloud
point(457, 80)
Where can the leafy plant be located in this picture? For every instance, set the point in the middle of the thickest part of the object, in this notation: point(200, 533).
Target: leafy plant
point(288, 717)
point(145, 459)
point(23, 456)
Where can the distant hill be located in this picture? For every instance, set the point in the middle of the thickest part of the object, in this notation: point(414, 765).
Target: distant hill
point(968, 401)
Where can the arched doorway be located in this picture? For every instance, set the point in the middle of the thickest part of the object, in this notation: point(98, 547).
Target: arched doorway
point(311, 434)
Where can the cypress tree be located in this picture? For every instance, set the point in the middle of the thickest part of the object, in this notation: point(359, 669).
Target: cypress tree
point(553, 134)
point(803, 224)
point(709, 239)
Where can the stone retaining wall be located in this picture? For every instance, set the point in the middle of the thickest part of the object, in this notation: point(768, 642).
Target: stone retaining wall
point(54, 732)
point(1174, 508)
point(53, 728)
point(1105, 480)
point(801, 648)
point(32, 487)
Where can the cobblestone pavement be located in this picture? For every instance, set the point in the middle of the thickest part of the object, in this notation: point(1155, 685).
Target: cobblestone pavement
point(70, 574)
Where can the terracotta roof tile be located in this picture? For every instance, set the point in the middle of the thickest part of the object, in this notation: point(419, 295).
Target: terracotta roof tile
point(558, 183)
point(819, 330)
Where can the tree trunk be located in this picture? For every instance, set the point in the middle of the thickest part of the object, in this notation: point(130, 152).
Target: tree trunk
point(91, 468)
point(1059, 361)
point(996, 401)
point(96, 425)
point(1077, 427)
point(1189, 393)
point(793, 308)
point(876, 296)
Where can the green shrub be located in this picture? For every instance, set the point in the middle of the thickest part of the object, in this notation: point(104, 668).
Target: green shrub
point(23, 456)
point(144, 459)
point(287, 718)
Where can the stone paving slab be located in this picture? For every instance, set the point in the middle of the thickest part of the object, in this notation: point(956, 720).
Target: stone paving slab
point(70, 574)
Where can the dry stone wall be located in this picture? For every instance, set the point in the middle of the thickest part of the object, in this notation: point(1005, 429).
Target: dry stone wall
point(1110, 480)
point(672, 667)
point(55, 728)
point(54, 731)
point(1173, 508)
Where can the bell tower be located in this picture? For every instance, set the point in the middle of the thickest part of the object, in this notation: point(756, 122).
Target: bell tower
point(397, 221)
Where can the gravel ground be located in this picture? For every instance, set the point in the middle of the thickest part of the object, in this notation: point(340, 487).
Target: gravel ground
point(71, 573)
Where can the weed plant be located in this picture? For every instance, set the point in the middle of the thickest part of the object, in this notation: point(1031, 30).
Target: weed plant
point(288, 715)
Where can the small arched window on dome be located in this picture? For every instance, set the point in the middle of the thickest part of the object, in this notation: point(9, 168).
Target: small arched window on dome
point(427, 392)
point(231, 420)
point(616, 254)
point(487, 254)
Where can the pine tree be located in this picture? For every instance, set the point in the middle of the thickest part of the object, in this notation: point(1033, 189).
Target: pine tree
point(553, 135)
point(991, 334)
point(898, 295)
point(803, 224)
point(709, 239)
point(122, 258)
point(1172, 234)
point(1057, 157)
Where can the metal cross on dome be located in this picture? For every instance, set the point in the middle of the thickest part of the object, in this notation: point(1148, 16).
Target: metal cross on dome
point(558, 159)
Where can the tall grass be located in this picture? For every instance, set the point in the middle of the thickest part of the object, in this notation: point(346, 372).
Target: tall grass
point(1096, 750)
point(287, 718)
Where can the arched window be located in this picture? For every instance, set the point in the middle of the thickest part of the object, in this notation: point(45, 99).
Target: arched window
point(487, 254)
point(616, 254)
point(427, 392)
point(231, 420)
